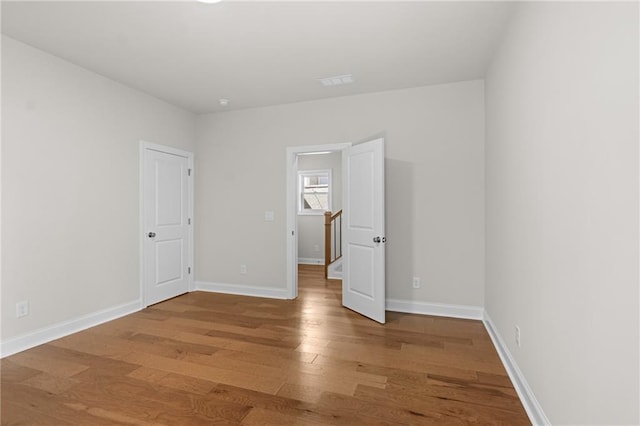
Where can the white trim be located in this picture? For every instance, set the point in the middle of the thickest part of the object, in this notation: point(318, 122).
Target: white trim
point(65, 328)
point(437, 309)
point(164, 148)
point(292, 209)
point(144, 145)
point(531, 405)
point(310, 261)
point(243, 290)
point(192, 180)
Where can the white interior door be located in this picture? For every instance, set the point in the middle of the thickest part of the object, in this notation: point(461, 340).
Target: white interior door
point(166, 222)
point(363, 280)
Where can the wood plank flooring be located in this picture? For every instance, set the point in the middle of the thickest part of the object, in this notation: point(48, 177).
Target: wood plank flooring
point(205, 358)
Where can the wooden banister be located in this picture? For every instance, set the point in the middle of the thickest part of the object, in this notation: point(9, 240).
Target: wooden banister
point(327, 243)
point(330, 221)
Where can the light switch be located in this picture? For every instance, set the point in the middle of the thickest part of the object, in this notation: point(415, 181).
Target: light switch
point(268, 216)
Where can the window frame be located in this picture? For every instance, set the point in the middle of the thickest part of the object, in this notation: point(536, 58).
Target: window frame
point(308, 173)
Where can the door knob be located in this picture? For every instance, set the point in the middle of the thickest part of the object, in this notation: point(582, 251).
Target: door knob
point(151, 234)
point(376, 239)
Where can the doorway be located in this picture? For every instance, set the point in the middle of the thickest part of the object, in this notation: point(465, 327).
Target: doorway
point(363, 238)
point(294, 155)
point(319, 192)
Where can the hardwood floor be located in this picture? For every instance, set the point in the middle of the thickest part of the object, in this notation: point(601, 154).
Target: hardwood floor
point(205, 358)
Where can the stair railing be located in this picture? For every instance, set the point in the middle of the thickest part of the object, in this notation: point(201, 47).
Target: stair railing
point(332, 239)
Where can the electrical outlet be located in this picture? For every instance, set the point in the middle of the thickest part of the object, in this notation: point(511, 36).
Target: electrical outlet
point(416, 282)
point(518, 336)
point(22, 308)
point(316, 248)
point(243, 269)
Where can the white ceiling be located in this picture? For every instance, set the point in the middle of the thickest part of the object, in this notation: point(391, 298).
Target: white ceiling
point(263, 53)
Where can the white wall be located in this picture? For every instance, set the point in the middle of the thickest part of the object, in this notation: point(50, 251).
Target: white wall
point(435, 186)
point(70, 142)
point(562, 206)
point(311, 227)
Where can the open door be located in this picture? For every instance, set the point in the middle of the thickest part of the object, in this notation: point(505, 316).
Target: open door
point(363, 280)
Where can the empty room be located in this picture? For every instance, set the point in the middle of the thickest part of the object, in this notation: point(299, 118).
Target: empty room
point(320, 212)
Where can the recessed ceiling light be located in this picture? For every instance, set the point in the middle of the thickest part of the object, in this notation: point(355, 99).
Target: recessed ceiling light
point(223, 102)
point(337, 80)
point(209, 1)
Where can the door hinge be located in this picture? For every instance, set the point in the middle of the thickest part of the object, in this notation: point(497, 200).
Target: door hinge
point(189, 270)
point(188, 172)
point(189, 221)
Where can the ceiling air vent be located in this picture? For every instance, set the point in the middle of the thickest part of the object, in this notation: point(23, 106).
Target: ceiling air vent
point(337, 80)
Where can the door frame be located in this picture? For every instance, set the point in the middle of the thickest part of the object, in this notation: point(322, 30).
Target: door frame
point(292, 208)
point(144, 145)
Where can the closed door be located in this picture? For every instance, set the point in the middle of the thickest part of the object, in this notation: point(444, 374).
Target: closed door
point(166, 223)
point(363, 272)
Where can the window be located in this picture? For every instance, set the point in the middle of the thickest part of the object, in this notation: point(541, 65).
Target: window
point(314, 191)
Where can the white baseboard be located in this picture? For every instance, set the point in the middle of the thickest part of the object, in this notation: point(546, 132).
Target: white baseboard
point(310, 261)
point(65, 328)
point(243, 290)
point(437, 309)
point(529, 401)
